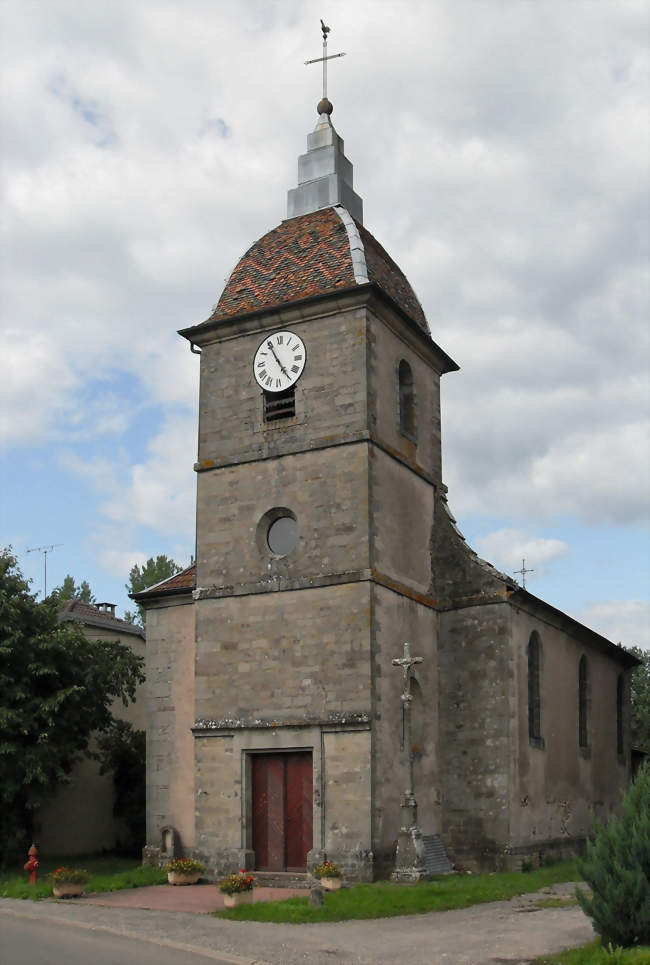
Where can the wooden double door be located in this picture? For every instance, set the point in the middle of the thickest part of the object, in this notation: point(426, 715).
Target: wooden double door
point(282, 805)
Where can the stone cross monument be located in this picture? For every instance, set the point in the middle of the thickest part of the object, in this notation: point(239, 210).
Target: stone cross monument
point(409, 863)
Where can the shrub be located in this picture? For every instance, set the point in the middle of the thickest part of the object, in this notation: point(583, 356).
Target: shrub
point(617, 869)
point(236, 883)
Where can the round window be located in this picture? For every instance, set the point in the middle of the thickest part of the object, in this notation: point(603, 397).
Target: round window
point(282, 535)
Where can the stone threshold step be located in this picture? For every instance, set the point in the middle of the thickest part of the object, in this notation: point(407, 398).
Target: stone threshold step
point(282, 879)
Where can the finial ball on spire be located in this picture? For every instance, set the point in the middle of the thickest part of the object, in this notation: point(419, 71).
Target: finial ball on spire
point(324, 106)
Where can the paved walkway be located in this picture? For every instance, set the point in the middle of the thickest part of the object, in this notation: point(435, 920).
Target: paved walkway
point(499, 933)
point(195, 899)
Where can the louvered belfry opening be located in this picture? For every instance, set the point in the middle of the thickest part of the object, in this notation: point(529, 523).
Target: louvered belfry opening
point(280, 405)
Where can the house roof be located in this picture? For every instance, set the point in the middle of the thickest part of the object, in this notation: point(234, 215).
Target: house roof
point(91, 615)
point(179, 583)
point(318, 253)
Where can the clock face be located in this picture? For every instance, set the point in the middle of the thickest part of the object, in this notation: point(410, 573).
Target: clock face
point(279, 361)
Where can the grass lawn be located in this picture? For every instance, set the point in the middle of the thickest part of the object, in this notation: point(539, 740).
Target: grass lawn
point(595, 954)
point(108, 873)
point(384, 900)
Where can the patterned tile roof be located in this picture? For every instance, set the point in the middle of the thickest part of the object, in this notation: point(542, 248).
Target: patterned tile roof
point(311, 255)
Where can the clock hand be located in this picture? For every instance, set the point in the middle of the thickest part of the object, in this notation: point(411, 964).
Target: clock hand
point(278, 360)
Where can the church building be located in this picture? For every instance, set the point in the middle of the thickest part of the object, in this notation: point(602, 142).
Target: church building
point(324, 542)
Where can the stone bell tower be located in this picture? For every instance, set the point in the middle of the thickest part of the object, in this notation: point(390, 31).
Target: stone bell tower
point(318, 462)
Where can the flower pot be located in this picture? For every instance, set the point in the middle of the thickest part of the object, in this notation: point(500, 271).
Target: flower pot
point(330, 884)
point(182, 877)
point(238, 898)
point(68, 889)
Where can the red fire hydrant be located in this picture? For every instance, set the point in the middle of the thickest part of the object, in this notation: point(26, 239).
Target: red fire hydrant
point(32, 864)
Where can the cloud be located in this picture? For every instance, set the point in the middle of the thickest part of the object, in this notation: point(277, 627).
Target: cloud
point(502, 157)
point(506, 548)
point(159, 492)
point(120, 562)
point(622, 621)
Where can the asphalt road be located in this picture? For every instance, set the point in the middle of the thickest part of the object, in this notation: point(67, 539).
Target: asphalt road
point(25, 941)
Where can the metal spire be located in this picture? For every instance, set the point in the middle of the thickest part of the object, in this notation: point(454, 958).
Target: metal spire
point(324, 106)
point(324, 173)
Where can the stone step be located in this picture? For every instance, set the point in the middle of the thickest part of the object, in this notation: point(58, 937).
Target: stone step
point(282, 879)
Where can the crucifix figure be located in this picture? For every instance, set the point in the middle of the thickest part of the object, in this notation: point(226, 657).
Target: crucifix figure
point(409, 858)
point(324, 104)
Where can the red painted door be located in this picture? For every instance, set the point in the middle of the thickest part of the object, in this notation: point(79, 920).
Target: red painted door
point(282, 810)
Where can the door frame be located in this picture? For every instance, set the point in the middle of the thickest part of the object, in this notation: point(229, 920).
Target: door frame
point(253, 742)
point(284, 756)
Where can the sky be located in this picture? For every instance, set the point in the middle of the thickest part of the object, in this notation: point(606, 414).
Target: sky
point(501, 151)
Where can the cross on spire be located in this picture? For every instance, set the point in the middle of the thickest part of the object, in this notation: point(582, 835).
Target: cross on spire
point(523, 572)
point(325, 103)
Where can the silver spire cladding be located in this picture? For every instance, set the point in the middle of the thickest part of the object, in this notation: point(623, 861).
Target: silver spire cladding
point(324, 173)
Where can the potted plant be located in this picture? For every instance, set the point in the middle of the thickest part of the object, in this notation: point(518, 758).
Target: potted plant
point(69, 882)
point(183, 871)
point(237, 889)
point(329, 874)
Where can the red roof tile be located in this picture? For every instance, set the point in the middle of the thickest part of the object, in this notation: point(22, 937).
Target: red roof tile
point(185, 580)
point(306, 256)
point(91, 615)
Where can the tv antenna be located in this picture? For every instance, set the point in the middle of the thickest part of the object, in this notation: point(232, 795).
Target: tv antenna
point(523, 572)
point(44, 550)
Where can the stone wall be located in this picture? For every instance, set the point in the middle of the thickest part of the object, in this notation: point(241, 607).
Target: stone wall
point(327, 491)
point(476, 713)
point(397, 619)
point(330, 395)
point(284, 656)
point(558, 787)
point(388, 344)
point(170, 715)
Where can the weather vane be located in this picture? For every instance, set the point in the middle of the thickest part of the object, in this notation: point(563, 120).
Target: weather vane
point(324, 59)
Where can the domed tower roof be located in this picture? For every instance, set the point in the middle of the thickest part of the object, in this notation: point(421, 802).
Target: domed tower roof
point(322, 248)
point(317, 253)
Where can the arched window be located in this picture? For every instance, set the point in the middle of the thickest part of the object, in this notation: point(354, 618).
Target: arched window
point(583, 724)
point(406, 401)
point(619, 714)
point(534, 700)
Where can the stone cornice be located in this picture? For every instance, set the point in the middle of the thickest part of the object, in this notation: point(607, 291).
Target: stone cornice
point(215, 727)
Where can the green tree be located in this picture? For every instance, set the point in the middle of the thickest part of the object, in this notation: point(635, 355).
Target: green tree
point(122, 751)
point(640, 697)
point(617, 869)
point(70, 591)
point(142, 577)
point(56, 689)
